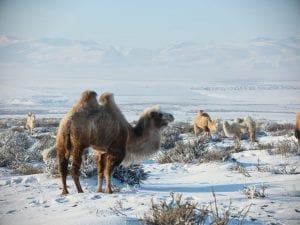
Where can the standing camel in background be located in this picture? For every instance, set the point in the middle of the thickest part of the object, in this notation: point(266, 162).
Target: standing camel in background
point(248, 125)
point(233, 130)
point(30, 122)
point(105, 129)
point(203, 121)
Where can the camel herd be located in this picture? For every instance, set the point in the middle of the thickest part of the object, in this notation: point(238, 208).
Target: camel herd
point(102, 126)
point(234, 129)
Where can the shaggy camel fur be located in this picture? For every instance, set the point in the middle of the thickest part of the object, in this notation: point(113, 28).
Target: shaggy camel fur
point(297, 127)
point(233, 130)
point(203, 121)
point(30, 122)
point(247, 125)
point(105, 129)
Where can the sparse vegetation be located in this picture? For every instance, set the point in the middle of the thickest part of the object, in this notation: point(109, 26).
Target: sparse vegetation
point(176, 211)
point(184, 152)
point(252, 191)
point(180, 212)
point(287, 146)
point(18, 149)
point(239, 167)
point(279, 129)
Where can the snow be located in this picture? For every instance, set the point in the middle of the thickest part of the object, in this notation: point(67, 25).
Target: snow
point(36, 199)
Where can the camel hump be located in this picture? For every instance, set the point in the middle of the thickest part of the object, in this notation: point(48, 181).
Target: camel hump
point(202, 113)
point(106, 97)
point(88, 95)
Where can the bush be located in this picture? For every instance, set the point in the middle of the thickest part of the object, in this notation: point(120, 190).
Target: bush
point(184, 152)
point(252, 191)
point(179, 212)
point(175, 212)
point(14, 148)
point(287, 146)
point(279, 129)
point(132, 175)
point(18, 149)
point(192, 152)
point(169, 137)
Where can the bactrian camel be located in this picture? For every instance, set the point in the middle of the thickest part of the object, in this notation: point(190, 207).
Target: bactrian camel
point(105, 129)
point(204, 122)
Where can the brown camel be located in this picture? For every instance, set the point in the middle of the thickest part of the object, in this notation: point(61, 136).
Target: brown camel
point(203, 121)
point(105, 129)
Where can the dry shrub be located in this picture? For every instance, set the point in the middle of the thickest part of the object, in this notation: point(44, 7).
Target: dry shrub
point(169, 137)
point(279, 129)
point(184, 152)
point(28, 169)
point(18, 149)
point(176, 211)
point(132, 175)
point(192, 152)
point(215, 156)
point(47, 122)
point(241, 169)
point(287, 146)
point(263, 146)
point(252, 191)
point(179, 212)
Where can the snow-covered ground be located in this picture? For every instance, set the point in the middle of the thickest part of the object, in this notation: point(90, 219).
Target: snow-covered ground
point(36, 199)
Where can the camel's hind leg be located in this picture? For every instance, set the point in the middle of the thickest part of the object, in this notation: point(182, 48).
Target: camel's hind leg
point(100, 159)
point(77, 159)
point(63, 161)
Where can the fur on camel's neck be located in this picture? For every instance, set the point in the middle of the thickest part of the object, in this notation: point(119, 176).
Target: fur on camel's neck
point(143, 138)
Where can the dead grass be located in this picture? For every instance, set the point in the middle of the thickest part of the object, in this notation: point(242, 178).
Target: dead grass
point(180, 212)
point(253, 191)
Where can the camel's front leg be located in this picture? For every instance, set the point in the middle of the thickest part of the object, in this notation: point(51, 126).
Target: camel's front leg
point(107, 173)
point(100, 158)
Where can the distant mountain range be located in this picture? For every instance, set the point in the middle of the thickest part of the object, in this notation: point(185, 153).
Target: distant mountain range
point(261, 54)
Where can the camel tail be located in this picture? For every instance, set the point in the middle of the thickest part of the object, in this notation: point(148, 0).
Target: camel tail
point(63, 140)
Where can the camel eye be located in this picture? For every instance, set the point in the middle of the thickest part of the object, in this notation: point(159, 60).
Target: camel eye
point(156, 115)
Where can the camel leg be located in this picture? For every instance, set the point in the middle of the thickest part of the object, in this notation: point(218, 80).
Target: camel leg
point(77, 159)
point(237, 141)
point(107, 173)
point(100, 158)
point(196, 130)
point(110, 163)
point(63, 161)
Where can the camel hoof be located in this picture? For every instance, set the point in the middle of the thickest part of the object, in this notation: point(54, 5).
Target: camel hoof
point(108, 191)
point(64, 192)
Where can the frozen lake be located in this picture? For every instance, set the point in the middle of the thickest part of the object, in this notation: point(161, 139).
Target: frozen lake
point(52, 97)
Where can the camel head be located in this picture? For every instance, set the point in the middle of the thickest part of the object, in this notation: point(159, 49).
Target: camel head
point(156, 118)
point(215, 126)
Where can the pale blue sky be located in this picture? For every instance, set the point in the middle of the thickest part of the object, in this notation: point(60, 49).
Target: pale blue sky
point(150, 24)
